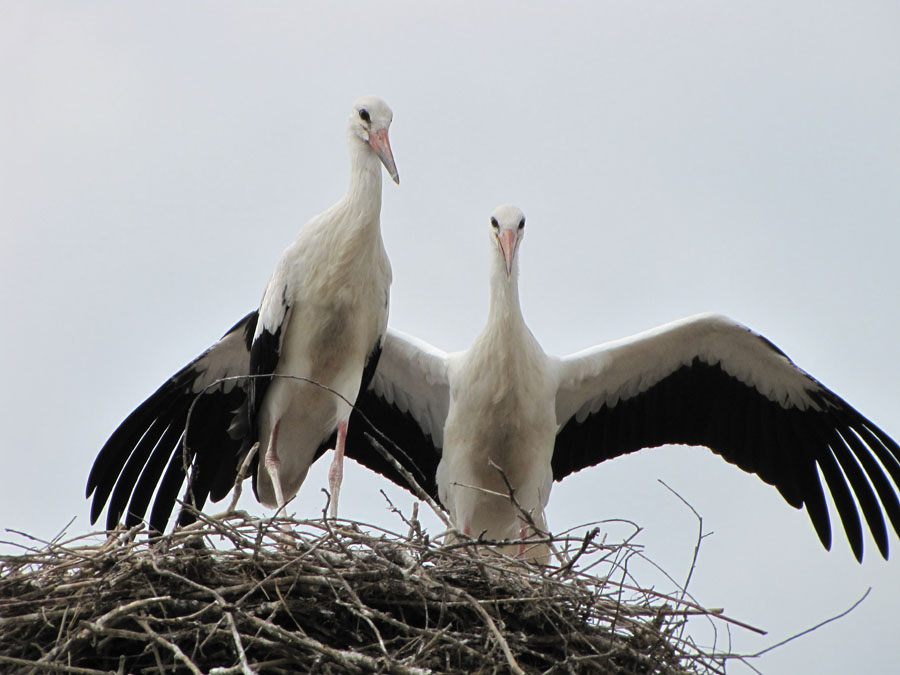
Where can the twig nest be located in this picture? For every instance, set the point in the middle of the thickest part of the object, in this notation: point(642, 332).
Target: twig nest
point(278, 595)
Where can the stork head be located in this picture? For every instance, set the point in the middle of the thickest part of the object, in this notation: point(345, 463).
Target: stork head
point(369, 121)
point(507, 230)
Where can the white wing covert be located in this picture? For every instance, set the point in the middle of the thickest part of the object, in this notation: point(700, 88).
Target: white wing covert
point(710, 381)
point(407, 401)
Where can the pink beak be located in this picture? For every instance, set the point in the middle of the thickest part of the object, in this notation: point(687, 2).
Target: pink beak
point(508, 241)
point(378, 140)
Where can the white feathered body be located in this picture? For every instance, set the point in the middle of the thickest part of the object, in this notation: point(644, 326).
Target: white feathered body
point(502, 392)
point(329, 294)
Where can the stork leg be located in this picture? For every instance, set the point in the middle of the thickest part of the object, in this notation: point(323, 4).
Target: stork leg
point(273, 465)
point(336, 472)
point(523, 533)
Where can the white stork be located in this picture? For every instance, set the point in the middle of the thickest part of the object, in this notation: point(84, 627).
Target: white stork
point(503, 404)
point(322, 317)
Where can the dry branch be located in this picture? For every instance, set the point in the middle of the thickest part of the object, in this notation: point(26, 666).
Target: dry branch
point(243, 595)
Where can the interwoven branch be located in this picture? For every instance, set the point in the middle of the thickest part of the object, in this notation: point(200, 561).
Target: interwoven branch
point(244, 595)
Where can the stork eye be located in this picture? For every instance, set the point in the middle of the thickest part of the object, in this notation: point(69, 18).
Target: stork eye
point(364, 115)
point(494, 223)
point(522, 224)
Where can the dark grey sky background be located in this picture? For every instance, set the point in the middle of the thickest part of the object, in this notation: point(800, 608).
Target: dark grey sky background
point(672, 158)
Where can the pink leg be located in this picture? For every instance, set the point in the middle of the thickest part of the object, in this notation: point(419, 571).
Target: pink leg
point(523, 533)
point(336, 472)
point(273, 465)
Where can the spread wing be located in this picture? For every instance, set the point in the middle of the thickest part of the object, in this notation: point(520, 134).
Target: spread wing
point(710, 381)
point(148, 442)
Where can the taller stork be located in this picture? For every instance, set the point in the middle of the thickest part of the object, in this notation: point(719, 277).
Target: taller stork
point(312, 345)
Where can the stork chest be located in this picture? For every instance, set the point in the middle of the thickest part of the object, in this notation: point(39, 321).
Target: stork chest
point(501, 409)
point(338, 309)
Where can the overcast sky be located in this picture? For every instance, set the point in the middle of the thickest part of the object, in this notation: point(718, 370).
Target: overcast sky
point(672, 158)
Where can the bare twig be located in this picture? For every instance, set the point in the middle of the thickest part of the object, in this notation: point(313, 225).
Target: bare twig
point(175, 649)
point(409, 478)
point(498, 636)
point(368, 600)
point(812, 628)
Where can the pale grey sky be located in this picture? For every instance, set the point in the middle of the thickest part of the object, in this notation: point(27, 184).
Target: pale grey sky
point(672, 158)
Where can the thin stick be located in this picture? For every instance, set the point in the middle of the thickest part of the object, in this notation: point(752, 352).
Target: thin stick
point(810, 630)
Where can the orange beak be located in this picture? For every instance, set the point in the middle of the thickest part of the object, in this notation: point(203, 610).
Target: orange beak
point(378, 141)
point(508, 242)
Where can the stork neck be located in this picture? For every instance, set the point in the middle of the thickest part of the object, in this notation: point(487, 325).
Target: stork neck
point(505, 311)
point(364, 191)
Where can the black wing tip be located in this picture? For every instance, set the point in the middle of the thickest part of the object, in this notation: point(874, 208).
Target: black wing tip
point(97, 506)
point(857, 548)
point(855, 457)
point(168, 401)
point(883, 548)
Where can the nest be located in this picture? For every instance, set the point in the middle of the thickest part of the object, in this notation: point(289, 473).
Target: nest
point(238, 594)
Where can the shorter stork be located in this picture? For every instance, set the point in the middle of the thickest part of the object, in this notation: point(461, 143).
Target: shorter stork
point(503, 411)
